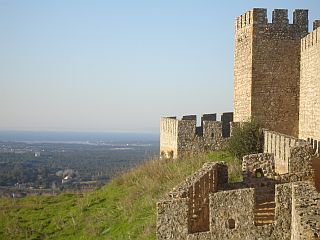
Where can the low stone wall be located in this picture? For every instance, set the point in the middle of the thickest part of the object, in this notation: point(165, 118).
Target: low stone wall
point(172, 219)
point(232, 213)
point(232, 216)
point(193, 198)
point(280, 145)
point(282, 225)
point(305, 212)
point(256, 164)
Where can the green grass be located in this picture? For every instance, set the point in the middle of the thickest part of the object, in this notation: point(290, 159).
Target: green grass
point(123, 209)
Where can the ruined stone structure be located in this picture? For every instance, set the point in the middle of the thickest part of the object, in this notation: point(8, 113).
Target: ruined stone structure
point(275, 72)
point(183, 137)
point(265, 205)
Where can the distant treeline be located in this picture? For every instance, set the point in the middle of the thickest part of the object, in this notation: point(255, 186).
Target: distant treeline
point(57, 165)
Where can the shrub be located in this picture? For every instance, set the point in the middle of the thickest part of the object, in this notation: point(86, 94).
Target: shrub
point(247, 138)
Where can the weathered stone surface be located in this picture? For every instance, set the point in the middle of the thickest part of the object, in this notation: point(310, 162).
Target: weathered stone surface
point(182, 137)
point(309, 111)
point(276, 76)
point(262, 163)
point(291, 155)
point(270, 206)
point(267, 68)
point(305, 212)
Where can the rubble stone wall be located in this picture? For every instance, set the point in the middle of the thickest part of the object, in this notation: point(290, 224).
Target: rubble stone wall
point(193, 196)
point(172, 219)
point(183, 137)
point(201, 208)
point(262, 163)
point(232, 214)
point(193, 140)
point(305, 212)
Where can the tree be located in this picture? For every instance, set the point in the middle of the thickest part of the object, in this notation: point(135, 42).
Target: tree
point(247, 138)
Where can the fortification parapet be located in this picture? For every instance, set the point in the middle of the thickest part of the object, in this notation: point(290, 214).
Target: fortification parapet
point(193, 197)
point(291, 154)
point(226, 119)
point(316, 24)
point(190, 117)
point(258, 17)
point(184, 137)
point(311, 40)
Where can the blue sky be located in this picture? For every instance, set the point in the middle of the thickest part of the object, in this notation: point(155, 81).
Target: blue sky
point(118, 65)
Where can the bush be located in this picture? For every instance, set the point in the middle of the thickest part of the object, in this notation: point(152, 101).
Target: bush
point(247, 138)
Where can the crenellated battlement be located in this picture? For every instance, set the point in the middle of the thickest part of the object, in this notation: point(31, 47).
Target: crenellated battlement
point(258, 17)
point(180, 137)
point(276, 76)
point(316, 24)
point(267, 67)
point(312, 39)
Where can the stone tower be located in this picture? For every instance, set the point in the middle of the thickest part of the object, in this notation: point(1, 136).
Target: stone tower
point(267, 68)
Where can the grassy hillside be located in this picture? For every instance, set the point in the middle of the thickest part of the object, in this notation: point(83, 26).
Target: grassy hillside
point(123, 209)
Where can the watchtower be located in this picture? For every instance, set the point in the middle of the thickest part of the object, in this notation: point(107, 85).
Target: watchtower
point(267, 68)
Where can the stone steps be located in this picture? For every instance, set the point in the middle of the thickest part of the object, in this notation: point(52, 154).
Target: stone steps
point(264, 212)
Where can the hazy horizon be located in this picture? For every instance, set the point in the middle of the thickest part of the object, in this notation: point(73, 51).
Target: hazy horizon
point(78, 137)
point(110, 66)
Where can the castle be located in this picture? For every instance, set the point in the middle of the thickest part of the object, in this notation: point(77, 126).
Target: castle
point(276, 69)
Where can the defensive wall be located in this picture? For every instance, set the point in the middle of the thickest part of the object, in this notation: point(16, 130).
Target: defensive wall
point(265, 205)
point(267, 68)
point(276, 72)
point(183, 137)
point(309, 111)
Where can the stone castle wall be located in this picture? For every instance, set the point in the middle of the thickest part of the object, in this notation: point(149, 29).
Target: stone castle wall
point(185, 209)
point(203, 208)
point(267, 68)
point(276, 70)
point(183, 137)
point(207, 206)
point(309, 123)
point(281, 146)
point(243, 67)
point(169, 136)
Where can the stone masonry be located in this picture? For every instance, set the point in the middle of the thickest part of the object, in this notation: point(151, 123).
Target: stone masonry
point(309, 114)
point(265, 205)
point(267, 68)
point(276, 76)
point(183, 137)
point(276, 72)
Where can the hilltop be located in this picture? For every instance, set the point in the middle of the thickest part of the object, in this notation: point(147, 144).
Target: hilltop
point(125, 208)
